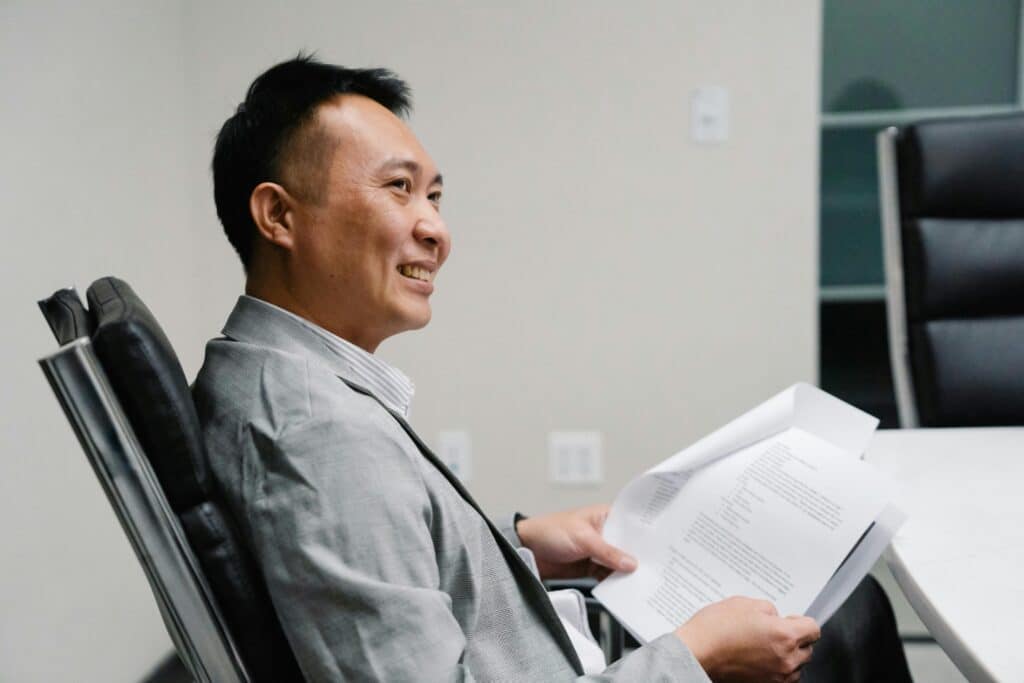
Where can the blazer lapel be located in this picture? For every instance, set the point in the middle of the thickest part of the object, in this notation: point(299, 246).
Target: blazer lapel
point(533, 587)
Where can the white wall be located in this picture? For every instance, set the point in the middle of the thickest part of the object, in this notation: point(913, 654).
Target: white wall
point(93, 183)
point(607, 273)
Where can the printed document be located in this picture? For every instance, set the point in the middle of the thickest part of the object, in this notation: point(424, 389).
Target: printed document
point(776, 505)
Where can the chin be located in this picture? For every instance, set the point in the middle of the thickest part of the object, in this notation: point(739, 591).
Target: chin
point(420, 323)
point(415, 320)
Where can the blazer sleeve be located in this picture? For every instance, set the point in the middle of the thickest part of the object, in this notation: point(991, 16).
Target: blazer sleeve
point(663, 659)
point(340, 523)
point(507, 526)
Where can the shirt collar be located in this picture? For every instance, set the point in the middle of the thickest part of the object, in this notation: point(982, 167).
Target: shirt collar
point(387, 383)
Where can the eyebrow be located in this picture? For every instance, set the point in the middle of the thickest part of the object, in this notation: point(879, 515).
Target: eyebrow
point(410, 166)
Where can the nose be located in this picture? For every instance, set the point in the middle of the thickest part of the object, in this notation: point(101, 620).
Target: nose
point(432, 231)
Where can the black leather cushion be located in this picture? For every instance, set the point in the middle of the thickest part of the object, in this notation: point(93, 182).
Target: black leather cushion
point(963, 168)
point(66, 316)
point(151, 387)
point(961, 188)
point(965, 268)
point(149, 381)
point(970, 372)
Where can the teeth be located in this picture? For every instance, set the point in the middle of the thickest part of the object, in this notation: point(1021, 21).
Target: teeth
point(416, 272)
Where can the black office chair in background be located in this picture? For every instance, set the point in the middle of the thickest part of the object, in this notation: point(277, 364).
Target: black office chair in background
point(952, 194)
point(125, 394)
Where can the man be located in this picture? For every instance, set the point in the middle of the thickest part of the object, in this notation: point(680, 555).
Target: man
point(380, 566)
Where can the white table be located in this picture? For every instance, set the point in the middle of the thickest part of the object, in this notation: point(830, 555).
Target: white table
point(960, 556)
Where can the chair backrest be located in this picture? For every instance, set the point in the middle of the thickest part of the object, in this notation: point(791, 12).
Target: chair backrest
point(66, 316)
point(952, 194)
point(212, 597)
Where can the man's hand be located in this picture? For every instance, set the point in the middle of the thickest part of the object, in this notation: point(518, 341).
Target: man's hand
point(569, 545)
point(742, 639)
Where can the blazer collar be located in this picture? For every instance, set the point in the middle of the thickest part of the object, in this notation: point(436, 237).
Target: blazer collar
point(256, 322)
point(259, 323)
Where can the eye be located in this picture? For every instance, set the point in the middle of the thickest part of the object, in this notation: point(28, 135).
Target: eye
point(403, 184)
point(435, 197)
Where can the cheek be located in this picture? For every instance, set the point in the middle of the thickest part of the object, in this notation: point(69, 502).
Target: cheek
point(389, 240)
point(332, 254)
point(344, 246)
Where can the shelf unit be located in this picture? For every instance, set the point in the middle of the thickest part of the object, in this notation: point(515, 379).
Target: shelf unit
point(886, 64)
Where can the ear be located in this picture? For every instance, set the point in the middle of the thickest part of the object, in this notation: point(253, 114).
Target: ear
point(273, 211)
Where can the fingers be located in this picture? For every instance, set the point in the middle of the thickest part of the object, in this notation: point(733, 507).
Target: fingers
point(603, 553)
point(806, 630)
point(799, 657)
point(799, 660)
point(609, 556)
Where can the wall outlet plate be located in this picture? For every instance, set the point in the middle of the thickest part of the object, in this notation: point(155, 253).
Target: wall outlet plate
point(574, 458)
point(456, 451)
point(709, 114)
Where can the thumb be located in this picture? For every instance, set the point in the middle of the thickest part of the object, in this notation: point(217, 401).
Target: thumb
point(609, 556)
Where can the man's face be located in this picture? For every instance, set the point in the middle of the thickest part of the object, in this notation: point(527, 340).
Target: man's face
point(369, 239)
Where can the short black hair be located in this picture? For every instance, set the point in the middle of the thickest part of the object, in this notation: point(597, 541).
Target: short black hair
point(254, 142)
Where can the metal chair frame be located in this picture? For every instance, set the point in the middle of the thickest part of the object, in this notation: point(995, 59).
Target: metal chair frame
point(186, 602)
point(895, 292)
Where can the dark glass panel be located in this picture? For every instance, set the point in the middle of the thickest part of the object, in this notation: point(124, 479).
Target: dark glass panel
point(851, 241)
point(908, 54)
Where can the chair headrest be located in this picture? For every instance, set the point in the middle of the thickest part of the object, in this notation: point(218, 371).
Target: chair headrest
point(146, 375)
point(66, 316)
point(962, 168)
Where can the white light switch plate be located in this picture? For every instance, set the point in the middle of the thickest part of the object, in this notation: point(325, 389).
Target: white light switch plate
point(709, 114)
point(575, 457)
point(456, 451)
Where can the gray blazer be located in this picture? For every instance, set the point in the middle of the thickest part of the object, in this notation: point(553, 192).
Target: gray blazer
point(379, 563)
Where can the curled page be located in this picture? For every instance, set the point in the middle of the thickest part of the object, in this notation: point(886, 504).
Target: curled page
point(639, 504)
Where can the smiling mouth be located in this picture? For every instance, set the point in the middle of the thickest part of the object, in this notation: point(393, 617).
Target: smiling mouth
point(416, 273)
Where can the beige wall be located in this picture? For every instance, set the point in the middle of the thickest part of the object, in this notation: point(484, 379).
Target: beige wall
point(607, 272)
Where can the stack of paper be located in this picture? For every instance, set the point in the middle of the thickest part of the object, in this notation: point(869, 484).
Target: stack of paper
point(776, 505)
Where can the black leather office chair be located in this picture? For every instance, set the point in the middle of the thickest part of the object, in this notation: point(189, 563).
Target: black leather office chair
point(952, 194)
point(125, 394)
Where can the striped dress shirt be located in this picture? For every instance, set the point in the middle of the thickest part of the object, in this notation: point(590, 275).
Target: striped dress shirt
point(389, 384)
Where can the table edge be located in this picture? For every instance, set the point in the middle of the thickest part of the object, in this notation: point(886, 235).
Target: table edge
point(945, 635)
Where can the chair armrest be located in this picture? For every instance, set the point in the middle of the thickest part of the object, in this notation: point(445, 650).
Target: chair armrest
point(610, 634)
